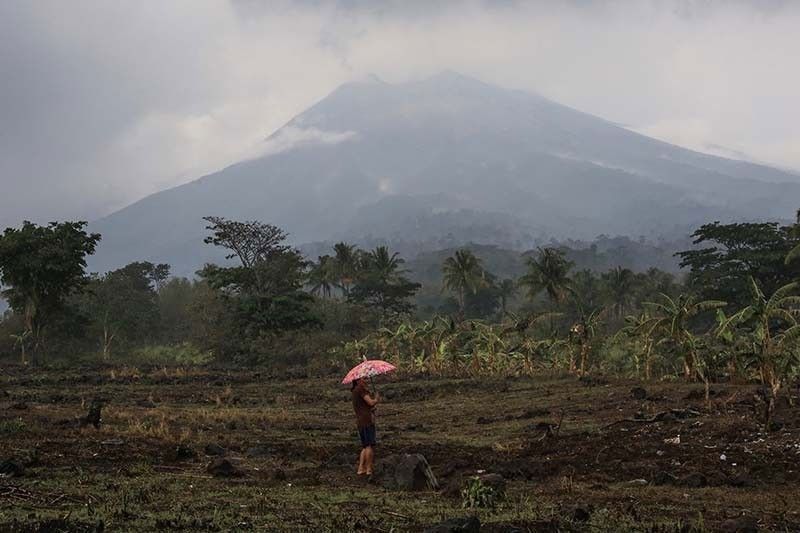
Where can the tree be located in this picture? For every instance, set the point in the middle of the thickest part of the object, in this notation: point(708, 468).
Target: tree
point(123, 306)
point(322, 276)
point(672, 320)
point(794, 253)
point(584, 332)
point(463, 273)
point(263, 293)
point(506, 290)
point(345, 264)
point(773, 328)
point(548, 272)
point(620, 284)
point(380, 282)
point(41, 266)
point(736, 252)
point(641, 329)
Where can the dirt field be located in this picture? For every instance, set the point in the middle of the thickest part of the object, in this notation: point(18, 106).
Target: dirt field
point(614, 464)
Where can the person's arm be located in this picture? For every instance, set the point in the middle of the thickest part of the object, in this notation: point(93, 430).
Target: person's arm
point(372, 402)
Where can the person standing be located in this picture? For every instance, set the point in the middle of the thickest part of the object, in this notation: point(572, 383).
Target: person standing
point(364, 405)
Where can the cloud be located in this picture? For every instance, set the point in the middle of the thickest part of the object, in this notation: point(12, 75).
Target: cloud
point(105, 102)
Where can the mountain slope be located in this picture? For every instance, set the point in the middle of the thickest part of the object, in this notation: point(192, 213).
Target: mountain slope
point(449, 159)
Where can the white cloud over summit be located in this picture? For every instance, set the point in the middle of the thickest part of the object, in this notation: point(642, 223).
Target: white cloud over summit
point(104, 102)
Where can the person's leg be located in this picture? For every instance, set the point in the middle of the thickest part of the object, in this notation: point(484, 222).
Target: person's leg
point(370, 456)
point(362, 462)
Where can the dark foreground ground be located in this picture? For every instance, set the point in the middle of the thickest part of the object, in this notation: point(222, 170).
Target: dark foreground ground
point(615, 463)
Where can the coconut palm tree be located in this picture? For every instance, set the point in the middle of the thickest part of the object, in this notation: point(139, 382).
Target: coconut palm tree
point(620, 284)
point(321, 276)
point(505, 291)
point(346, 258)
point(463, 273)
point(672, 321)
point(548, 272)
point(774, 332)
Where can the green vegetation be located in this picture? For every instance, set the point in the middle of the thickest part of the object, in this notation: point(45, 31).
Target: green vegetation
point(734, 316)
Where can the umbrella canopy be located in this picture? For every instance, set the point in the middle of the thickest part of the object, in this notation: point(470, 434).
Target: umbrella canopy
point(367, 369)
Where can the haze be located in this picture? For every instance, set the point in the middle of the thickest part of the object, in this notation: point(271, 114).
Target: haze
point(103, 103)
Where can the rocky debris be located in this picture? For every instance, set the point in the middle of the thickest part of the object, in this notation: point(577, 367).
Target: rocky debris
point(405, 472)
point(695, 480)
point(214, 449)
point(469, 524)
point(665, 478)
point(94, 416)
point(581, 513)
point(182, 452)
point(223, 468)
point(11, 468)
point(742, 524)
point(639, 393)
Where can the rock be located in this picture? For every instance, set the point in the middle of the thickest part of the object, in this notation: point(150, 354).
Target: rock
point(146, 403)
point(694, 480)
point(405, 472)
point(11, 468)
point(469, 524)
point(581, 513)
point(483, 420)
point(214, 449)
point(258, 450)
point(741, 479)
point(664, 478)
point(742, 524)
point(19, 406)
point(223, 468)
point(183, 452)
point(639, 393)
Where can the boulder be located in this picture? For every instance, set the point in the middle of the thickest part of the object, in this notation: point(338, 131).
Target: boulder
point(11, 468)
point(94, 416)
point(581, 513)
point(639, 393)
point(469, 524)
point(664, 478)
point(694, 480)
point(214, 449)
point(742, 524)
point(222, 468)
point(405, 472)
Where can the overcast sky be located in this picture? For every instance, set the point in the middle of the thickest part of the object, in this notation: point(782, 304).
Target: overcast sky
point(103, 102)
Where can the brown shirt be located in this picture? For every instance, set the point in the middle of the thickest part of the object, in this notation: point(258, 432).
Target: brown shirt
point(363, 410)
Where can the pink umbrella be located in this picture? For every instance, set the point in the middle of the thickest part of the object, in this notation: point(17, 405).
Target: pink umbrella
point(367, 369)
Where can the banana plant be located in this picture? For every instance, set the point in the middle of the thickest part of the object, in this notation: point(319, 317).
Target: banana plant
point(774, 334)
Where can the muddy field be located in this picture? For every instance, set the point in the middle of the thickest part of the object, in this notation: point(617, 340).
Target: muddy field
point(227, 450)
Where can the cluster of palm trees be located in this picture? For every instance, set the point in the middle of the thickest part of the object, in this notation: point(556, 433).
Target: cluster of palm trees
point(341, 271)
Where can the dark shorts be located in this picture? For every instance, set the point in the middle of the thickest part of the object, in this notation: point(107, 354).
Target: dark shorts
point(367, 436)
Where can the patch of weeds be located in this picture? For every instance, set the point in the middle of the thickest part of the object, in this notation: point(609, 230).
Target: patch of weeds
point(478, 494)
point(12, 427)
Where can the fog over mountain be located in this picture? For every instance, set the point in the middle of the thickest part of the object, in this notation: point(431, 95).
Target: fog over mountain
point(449, 159)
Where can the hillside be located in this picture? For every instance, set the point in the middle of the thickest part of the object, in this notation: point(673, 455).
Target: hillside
point(445, 161)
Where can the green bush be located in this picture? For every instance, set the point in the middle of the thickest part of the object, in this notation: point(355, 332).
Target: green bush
point(478, 494)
